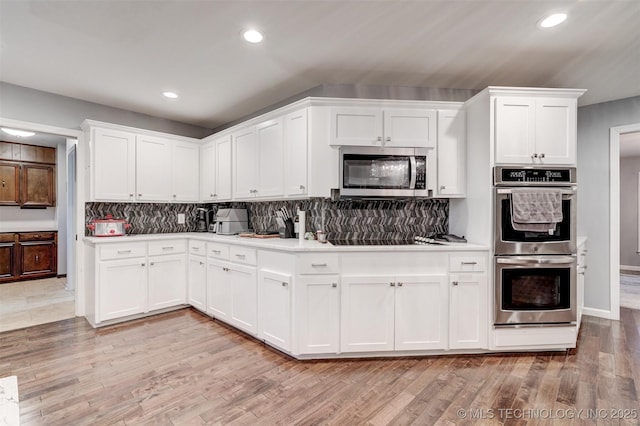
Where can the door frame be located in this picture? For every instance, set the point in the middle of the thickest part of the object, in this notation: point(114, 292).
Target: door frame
point(614, 215)
point(79, 199)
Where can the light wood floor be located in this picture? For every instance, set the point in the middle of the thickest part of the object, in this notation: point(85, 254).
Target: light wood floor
point(183, 368)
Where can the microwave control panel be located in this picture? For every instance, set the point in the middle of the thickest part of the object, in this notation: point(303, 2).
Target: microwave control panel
point(421, 172)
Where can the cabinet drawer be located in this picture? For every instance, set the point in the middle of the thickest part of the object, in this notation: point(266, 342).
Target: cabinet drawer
point(197, 247)
point(123, 251)
point(218, 251)
point(36, 236)
point(243, 255)
point(319, 264)
point(467, 263)
point(7, 238)
point(167, 247)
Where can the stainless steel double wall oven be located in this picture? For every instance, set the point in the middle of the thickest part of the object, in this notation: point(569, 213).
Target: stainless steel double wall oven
point(535, 266)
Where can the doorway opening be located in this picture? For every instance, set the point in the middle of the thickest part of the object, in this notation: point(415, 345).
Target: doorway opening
point(30, 302)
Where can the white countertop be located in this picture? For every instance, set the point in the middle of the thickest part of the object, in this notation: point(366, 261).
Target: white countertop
point(289, 244)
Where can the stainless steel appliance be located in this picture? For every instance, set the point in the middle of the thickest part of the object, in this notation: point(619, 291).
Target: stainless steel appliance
point(562, 239)
point(535, 290)
point(231, 221)
point(201, 219)
point(383, 172)
point(108, 227)
point(535, 264)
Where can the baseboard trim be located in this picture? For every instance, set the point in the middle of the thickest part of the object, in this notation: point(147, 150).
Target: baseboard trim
point(593, 312)
point(629, 268)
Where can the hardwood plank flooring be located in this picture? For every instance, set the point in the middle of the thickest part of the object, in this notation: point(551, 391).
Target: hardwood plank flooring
point(183, 368)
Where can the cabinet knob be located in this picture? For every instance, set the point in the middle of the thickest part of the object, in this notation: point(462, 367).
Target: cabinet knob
point(455, 283)
point(130, 194)
point(442, 187)
point(334, 285)
point(152, 263)
point(214, 195)
point(400, 284)
point(301, 186)
point(174, 195)
point(37, 258)
point(4, 182)
point(388, 139)
point(139, 195)
point(534, 155)
point(284, 284)
point(201, 263)
point(392, 284)
point(142, 264)
point(379, 138)
point(542, 155)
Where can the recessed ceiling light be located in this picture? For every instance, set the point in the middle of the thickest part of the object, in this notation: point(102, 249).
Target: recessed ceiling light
point(253, 36)
point(553, 20)
point(170, 95)
point(18, 133)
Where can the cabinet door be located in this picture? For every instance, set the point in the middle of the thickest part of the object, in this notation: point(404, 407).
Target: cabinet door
point(318, 314)
point(356, 126)
point(244, 298)
point(515, 130)
point(556, 131)
point(421, 312)
point(122, 288)
point(113, 165)
point(451, 154)
point(223, 169)
point(37, 258)
point(468, 315)
point(270, 140)
point(245, 163)
point(153, 166)
point(38, 187)
point(275, 309)
point(185, 171)
point(167, 286)
point(410, 128)
point(208, 171)
point(295, 131)
point(197, 283)
point(367, 320)
point(8, 260)
point(219, 290)
point(9, 184)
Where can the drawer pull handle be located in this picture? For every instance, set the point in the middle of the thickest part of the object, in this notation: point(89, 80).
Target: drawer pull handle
point(392, 284)
point(301, 186)
point(37, 258)
point(201, 263)
point(334, 285)
point(240, 256)
point(195, 248)
point(124, 251)
point(168, 248)
point(215, 251)
point(284, 284)
point(319, 265)
point(455, 283)
point(400, 284)
point(469, 263)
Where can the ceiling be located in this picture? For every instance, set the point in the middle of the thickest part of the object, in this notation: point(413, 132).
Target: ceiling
point(125, 53)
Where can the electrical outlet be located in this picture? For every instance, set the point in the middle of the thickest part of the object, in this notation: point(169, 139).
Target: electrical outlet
point(181, 219)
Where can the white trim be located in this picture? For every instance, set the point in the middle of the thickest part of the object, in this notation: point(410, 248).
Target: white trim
point(629, 268)
point(638, 213)
point(42, 128)
point(614, 215)
point(600, 313)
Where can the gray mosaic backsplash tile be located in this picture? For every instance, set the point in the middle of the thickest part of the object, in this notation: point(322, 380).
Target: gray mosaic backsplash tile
point(348, 219)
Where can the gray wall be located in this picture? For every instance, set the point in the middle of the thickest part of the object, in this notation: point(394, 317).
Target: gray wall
point(594, 124)
point(629, 169)
point(25, 104)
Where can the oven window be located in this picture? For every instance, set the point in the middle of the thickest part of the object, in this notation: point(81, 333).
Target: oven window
point(535, 289)
point(561, 233)
point(376, 171)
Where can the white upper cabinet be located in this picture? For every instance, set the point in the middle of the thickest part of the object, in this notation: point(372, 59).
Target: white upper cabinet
point(153, 165)
point(223, 169)
point(113, 165)
point(452, 162)
point(391, 127)
point(295, 150)
point(208, 171)
point(258, 161)
point(185, 171)
point(530, 130)
point(245, 163)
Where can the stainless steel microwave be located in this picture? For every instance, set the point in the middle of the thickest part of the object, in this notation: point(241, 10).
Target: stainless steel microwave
point(383, 172)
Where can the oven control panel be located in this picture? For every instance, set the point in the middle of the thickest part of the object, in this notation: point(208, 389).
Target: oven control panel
point(552, 176)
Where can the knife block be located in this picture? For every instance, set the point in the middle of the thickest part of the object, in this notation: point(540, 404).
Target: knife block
point(287, 230)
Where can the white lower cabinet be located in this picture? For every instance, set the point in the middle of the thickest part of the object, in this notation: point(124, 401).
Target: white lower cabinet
point(468, 311)
point(318, 314)
point(275, 308)
point(122, 288)
point(167, 285)
point(232, 294)
point(197, 282)
point(385, 313)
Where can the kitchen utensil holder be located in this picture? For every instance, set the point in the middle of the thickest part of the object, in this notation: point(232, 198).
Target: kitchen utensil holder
point(287, 230)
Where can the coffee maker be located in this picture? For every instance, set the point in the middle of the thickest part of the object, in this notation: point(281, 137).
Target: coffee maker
point(201, 219)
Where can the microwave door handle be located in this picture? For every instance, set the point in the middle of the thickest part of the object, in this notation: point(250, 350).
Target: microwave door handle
point(413, 171)
point(520, 260)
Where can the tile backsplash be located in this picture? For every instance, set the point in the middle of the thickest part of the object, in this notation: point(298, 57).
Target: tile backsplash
point(345, 219)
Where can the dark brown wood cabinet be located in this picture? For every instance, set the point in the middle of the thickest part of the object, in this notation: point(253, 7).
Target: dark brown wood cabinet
point(28, 255)
point(27, 175)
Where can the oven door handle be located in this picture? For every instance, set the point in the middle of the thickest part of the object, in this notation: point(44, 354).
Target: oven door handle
point(562, 191)
point(521, 260)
